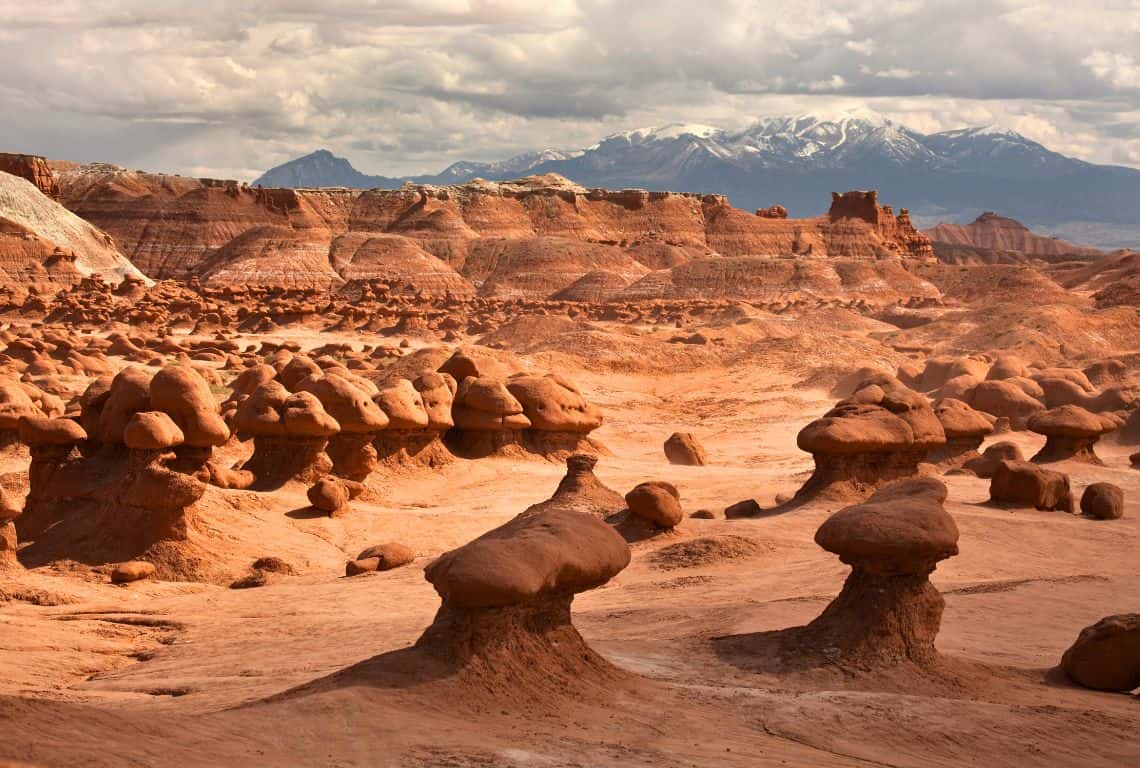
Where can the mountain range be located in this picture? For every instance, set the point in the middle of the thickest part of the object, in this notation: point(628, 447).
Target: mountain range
point(797, 161)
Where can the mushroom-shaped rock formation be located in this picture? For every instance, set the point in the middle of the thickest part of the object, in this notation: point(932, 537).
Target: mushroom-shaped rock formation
point(560, 418)
point(1005, 398)
point(128, 394)
point(684, 449)
point(965, 430)
point(360, 419)
point(123, 498)
point(473, 362)
point(8, 514)
point(873, 437)
point(507, 595)
point(290, 432)
point(437, 391)
point(987, 463)
point(182, 394)
point(1106, 656)
point(488, 418)
point(51, 442)
point(296, 370)
point(413, 436)
point(1023, 484)
point(415, 442)
point(1071, 432)
point(245, 385)
point(15, 404)
point(888, 612)
point(581, 490)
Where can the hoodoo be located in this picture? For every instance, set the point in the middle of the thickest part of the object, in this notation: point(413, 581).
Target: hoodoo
point(888, 611)
point(507, 596)
point(128, 491)
point(1071, 433)
point(881, 433)
point(290, 432)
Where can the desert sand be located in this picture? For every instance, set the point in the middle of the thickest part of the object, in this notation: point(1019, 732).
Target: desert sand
point(157, 672)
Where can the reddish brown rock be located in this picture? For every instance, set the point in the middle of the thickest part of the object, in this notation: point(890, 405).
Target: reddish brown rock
point(876, 436)
point(965, 430)
point(290, 432)
point(1103, 501)
point(132, 570)
point(1071, 433)
point(986, 464)
point(657, 502)
point(381, 557)
point(1106, 656)
point(1023, 484)
point(33, 168)
point(329, 494)
point(684, 449)
point(888, 613)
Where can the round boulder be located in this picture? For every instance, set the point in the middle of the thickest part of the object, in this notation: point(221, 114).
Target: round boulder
point(657, 502)
point(1103, 501)
point(1106, 656)
point(683, 449)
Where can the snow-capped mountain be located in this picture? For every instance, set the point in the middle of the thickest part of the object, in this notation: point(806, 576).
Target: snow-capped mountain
point(799, 160)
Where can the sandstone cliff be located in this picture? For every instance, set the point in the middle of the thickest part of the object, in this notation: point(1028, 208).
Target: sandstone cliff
point(529, 238)
point(33, 168)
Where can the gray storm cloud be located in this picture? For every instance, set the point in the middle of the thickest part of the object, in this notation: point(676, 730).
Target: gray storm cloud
point(405, 87)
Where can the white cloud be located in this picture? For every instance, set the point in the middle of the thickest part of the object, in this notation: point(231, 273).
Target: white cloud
point(405, 86)
point(1119, 69)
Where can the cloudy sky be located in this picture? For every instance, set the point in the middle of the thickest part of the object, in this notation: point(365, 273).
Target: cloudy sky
point(408, 86)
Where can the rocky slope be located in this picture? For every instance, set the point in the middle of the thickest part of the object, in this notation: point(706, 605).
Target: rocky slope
point(532, 237)
point(44, 245)
point(998, 233)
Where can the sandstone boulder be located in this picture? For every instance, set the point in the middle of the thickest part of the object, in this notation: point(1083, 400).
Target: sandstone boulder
point(132, 570)
point(1106, 656)
point(656, 502)
point(1023, 484)
point(1103, 501)
point(684, 449)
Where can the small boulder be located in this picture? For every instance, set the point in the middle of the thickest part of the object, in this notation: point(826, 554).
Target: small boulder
point(132, 570)
point(1021, 483)
point(746, 508)
point(329, 494)
point(1106, 656)
point(388, 555)
point(1104, 501)
point(656, 501)
point(682, 448)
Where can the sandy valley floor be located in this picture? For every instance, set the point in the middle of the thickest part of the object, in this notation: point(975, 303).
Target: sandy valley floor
point(193, 674)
